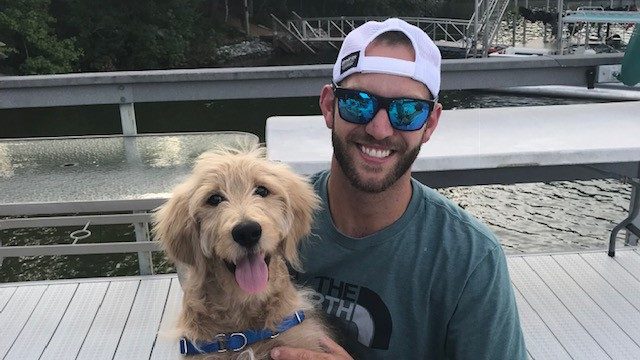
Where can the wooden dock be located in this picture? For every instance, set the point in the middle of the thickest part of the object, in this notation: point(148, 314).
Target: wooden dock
point(572, 306)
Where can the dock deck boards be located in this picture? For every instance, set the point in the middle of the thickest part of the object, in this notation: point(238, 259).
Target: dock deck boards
point(572, 306)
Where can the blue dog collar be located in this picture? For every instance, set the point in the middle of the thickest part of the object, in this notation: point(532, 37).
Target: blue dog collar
point(238, 340)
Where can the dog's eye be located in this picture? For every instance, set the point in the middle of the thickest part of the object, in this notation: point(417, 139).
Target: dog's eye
point(262, 191)
point(215, 199)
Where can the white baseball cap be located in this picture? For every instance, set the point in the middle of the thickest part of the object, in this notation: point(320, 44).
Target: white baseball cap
point(352, 59)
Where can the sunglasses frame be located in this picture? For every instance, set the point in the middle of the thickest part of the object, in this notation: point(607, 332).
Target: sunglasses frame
point(384, 103)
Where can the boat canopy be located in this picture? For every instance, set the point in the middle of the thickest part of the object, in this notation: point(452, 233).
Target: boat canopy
point(598, 16)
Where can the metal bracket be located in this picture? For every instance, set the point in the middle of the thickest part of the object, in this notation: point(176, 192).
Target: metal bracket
point(591, 78)
point(608, 73)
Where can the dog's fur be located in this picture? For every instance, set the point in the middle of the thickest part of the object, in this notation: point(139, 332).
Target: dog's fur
point(198, 234)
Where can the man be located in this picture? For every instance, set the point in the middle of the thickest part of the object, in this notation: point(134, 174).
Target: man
point(402, 271)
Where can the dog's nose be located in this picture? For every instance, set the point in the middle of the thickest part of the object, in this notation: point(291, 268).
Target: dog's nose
point(247, 233)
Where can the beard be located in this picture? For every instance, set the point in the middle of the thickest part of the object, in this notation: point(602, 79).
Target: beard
point(348, 164)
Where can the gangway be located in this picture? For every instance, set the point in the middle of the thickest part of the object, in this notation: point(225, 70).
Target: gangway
point(458, 35)
point(331, 31)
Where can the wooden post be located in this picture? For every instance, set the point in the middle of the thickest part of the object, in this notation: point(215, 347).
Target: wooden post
point(544, 39)
point(514, 21)
point(559, 28)
point(524, 26)
point(246, 18)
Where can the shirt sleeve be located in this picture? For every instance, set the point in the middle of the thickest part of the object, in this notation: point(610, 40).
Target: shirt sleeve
point(485, 323)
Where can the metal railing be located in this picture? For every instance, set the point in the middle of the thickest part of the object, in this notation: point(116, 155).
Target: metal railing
point(485, 23)
point(497, 11)
point(333, 30)
point(143, 245)
point(130, 87)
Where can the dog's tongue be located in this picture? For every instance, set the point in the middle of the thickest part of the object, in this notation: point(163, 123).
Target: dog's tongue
point(252, 273)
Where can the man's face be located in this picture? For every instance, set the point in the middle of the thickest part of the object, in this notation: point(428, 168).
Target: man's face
point(374, 156)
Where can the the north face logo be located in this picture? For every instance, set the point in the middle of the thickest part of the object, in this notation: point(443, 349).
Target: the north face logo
point(349, 61)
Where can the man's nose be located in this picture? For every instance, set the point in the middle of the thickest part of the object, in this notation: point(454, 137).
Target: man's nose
point(380, 127)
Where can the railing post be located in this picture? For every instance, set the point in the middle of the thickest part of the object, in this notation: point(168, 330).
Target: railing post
point(128, 119)
point(145, 262)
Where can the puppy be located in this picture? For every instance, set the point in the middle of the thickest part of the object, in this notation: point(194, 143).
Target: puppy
point(236, 223)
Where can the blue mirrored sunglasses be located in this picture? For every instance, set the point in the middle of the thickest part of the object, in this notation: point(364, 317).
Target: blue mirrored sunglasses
point(360, 107)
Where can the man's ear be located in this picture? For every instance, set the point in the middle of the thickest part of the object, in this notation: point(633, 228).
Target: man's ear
point(327, 106)
point(432, 123)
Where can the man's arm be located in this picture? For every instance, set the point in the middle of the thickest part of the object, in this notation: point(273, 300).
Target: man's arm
point(485, 324)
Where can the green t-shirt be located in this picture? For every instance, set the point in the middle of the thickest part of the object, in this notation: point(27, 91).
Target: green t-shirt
point(433, 285)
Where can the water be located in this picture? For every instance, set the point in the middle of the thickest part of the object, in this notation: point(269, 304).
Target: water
point(536, 217)
point(548, 217)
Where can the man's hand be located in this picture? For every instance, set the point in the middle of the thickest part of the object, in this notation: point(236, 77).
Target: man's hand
point(332, 351)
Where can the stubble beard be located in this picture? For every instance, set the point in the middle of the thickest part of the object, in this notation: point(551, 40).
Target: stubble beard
point(348, 166)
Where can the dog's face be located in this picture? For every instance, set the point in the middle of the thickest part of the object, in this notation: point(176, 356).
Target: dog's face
point(239, 210)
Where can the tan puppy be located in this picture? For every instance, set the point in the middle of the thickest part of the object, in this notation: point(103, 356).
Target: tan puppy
point(235, 223)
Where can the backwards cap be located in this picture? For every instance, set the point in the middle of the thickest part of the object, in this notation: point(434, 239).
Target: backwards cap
point(425, 69)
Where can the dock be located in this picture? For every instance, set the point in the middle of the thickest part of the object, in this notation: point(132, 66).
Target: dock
point(572, 306)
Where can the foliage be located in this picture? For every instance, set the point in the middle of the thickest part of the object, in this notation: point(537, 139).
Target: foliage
point(32, 45)
point(127, 35)
point(55, 36)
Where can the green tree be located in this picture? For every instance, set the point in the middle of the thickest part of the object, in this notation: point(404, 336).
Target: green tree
point(33, 47)
point(131, 35)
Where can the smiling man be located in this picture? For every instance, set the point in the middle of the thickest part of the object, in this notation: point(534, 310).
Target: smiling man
point(402, 272)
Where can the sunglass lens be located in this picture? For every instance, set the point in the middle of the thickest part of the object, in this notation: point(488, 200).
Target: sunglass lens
point(356, 107)
point(408, 115)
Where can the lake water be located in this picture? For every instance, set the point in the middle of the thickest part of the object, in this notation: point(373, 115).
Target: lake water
point(536, 217)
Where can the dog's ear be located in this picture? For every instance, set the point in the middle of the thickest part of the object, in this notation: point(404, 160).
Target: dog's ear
point(175, 228)
point(303, 201)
